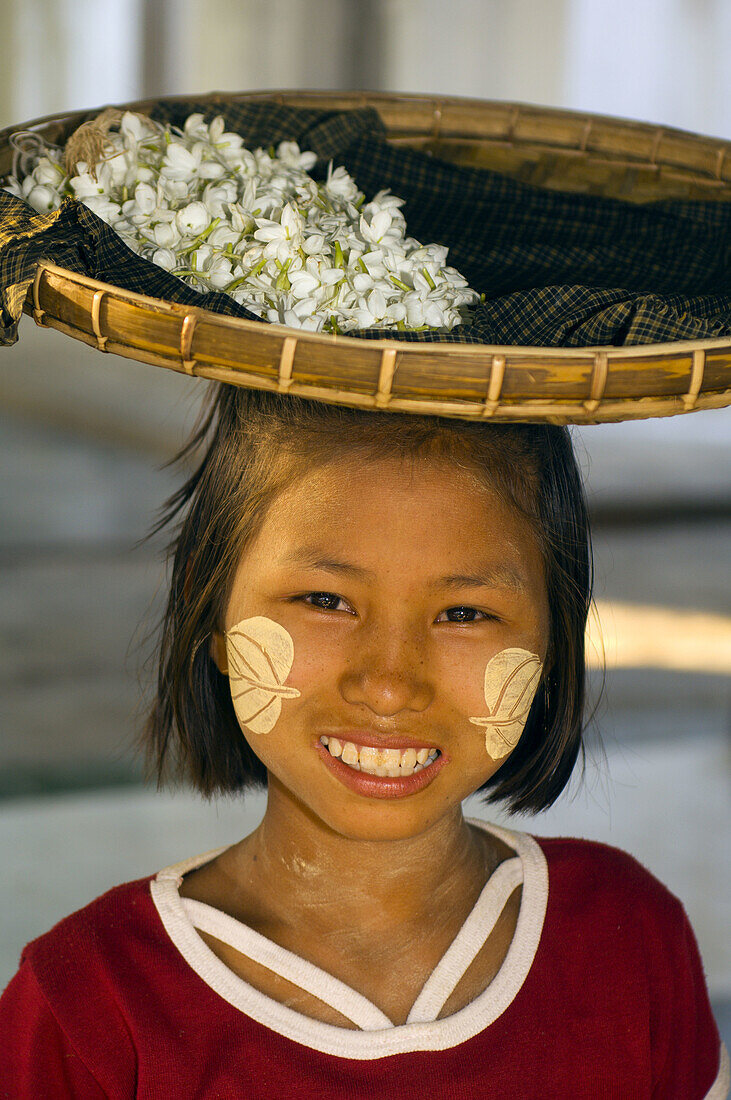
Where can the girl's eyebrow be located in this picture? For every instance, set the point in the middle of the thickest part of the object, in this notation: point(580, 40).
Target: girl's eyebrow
point(489, 575)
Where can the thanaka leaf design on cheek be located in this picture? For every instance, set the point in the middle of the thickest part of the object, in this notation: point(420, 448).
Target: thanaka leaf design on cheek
point(260, 657)
point(511, 681)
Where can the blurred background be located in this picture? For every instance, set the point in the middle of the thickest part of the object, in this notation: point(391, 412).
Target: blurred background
point(84, 438)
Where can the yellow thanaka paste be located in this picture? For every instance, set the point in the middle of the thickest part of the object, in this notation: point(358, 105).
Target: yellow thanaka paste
point(260, 656)
point(511, 680)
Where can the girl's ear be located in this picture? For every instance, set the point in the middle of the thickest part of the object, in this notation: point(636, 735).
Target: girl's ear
point(218, 652)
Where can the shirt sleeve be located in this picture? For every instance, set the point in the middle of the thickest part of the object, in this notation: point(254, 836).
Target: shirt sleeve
point(37, 1059)
point(692, 1062)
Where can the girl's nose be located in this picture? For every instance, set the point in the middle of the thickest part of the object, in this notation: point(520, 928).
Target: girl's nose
point(387, 673)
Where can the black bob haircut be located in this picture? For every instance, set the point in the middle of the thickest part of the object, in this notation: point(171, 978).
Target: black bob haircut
point(255, 445)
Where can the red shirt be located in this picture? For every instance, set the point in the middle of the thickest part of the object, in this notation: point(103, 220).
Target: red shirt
point(602, 994)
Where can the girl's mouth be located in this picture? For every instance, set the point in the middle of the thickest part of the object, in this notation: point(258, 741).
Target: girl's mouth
point(377, 772)
point(378, 761)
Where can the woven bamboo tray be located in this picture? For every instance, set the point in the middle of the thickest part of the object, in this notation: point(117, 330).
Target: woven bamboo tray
point(556, 149)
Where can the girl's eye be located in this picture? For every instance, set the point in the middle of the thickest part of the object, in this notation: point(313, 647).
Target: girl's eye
point(322, 595)
point(335, 600)
point(469, 611)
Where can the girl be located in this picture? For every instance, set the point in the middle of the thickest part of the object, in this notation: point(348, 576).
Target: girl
point(374, 615)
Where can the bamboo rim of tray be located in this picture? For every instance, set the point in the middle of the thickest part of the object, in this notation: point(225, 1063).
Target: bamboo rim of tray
point(471, 381)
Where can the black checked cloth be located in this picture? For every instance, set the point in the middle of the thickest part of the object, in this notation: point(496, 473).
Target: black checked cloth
point(556, 269)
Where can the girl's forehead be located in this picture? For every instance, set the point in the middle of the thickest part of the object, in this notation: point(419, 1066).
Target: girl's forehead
point(396, 509)
point(351, 476)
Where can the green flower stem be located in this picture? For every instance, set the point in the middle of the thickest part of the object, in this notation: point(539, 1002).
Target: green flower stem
point(243, 278)
point(428, 278)
point(362, 266)
point(199, 239)
point(283, 282)
point(339, 258)
point(235, 284)
point(401, 285)
point(191, 273)
point(332, 300)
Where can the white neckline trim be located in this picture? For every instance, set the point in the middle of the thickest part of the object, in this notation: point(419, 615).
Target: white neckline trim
point(719, 1090)
point(376, 1042)
point(353, 1005)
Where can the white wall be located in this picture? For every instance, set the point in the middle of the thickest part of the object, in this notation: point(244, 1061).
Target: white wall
point(59, 55)
point(658, 60)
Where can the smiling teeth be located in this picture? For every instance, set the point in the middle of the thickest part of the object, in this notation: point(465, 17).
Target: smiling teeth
point(374, 761)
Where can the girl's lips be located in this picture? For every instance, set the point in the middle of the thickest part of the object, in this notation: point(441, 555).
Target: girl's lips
point(380, 786)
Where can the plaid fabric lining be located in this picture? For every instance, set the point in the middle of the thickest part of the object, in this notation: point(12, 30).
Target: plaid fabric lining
point(558, 270)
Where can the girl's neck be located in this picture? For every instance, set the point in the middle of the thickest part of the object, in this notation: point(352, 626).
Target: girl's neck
point(295, 873)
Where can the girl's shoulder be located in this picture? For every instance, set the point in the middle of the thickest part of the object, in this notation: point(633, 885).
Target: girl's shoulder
point(610, 910)
point(592, 873)
point(572, 868)
point(115, 926)
point(595, 857)
point(82, 971)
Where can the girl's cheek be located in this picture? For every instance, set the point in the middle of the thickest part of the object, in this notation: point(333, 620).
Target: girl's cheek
point(260, 657)
point(511, 680)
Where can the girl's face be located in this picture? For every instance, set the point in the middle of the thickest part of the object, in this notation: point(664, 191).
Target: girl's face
point(397, 583)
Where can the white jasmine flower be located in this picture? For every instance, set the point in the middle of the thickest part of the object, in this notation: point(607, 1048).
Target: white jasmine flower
point(179, 162)
point(195, 126)
point(192, 219)
point(303, 283)
point(146, 198)
point(116, 171)
point(289, 154)
point(255, 225)
point(132, 127)
point(103, 207)
point(174, 191)
point(165, 234)
point(164, 257)
point(331, 275)
point(49, 174)
point(414, 310)
point(84, 185)
point(314, 244)
point(218, 270)
point(42, 198)
point(210, 170)
point(217, 196)
point(340, 185)
point(223, 236)
point(282, 235)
